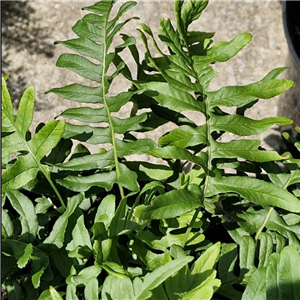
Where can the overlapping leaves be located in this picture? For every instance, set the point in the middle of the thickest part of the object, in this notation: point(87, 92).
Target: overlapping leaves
point(153, 240)
point(185, 73)
point(96, 33)
point(15, 140)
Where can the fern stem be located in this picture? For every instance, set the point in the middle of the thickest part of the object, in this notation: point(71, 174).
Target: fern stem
point(42, 169)
point(111, 125)
point(52, 184)
point(190, 227)
point(264, 223)
point(57, 193)
point(207, 178)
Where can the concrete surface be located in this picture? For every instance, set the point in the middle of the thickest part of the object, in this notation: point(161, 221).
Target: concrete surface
point(29, 55)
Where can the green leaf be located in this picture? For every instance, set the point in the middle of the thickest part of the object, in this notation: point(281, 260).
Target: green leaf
point(82, 184)
point(114, 269)
point(39, 265)
point(79, 93)
point(289, 273)
point(106, 209)
point(88, 278)
point(207, 259)
point(242, 95)
point(60, 152)
point(96, 32)
point(22, 254)
point(170, 37)
point(191, 11)
point(106, 180)
point(85, 275)
point(158, 293)
point(256, 191)
point(179, 283)
point(80, 66)
point(253, 219)
point(25, 111)
point(265, 248)
point(185, 136)
point(54, 294)
point(43, 204)
point(84, 46)
point(147, 171)
point(28, 217)
point(118, 221)
point(272, 277)
point(24, 259)
point(256, 288)
point(7, 107)
point(172, 97)
point(223, 51)
point(173, 152)
point(82, 114)
point(159, 275)
point(88, 134)
point(228, 258)
point(20, 173)
point(80, 234)
point(128, 178)
point(291, 219)
point(206, 289)
point(247, 149)
point(169, 205)
point(7, 225)
point(115, 288)
point(133, 123)
point(62, 261)
point(57, 235)
point(134, 147)
point(45, 295)
point(283, 274)
point(273, 74)
point(247, 256)
point(281, 179)
point(88, 162)
point(26, 167)
point(193, 238)
point(13, 290)
point(198, 283)
point(47, 138)
point(243, 126)
point(71, 292)
point(91, 290)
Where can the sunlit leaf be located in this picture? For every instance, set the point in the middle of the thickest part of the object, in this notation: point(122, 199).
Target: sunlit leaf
point(169, 205)
point(57, 235)
point(24, 207)
point(256, 191)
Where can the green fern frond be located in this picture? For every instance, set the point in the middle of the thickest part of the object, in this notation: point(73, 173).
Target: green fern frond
point(15, 140)
point(95, 35)
point(179, 81)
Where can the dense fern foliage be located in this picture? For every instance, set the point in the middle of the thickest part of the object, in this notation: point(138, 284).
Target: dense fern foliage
point(78, 225)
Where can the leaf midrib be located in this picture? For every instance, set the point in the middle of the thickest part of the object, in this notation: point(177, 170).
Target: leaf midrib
point(39, 165)
point(110, 121)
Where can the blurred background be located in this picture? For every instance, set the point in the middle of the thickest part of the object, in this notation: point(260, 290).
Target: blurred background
point(30, 28)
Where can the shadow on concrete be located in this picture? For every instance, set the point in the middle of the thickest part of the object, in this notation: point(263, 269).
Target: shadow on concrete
point(21, 32)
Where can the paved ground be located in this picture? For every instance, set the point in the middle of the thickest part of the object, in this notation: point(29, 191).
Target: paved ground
point(30, 28)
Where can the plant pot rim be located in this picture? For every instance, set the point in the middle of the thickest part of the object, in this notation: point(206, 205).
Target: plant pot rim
point(288, 33)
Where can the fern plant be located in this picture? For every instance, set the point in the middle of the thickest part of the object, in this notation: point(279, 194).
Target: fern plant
point(78, 225)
